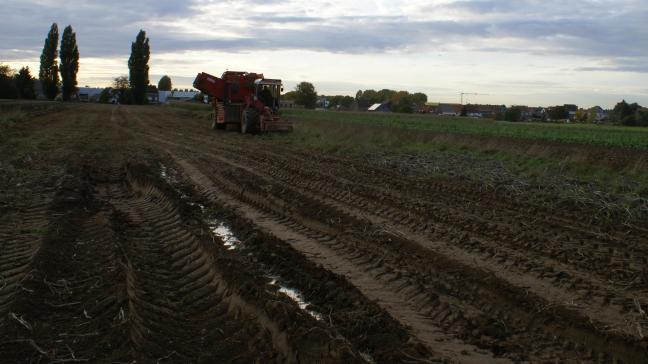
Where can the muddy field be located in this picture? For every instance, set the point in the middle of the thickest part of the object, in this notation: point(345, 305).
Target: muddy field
point(136, 234)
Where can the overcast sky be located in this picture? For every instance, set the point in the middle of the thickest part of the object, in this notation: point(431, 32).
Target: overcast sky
point(532, 52)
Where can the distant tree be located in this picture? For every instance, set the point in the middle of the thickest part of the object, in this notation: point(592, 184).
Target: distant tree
point(513, 114)
point(7, 83)
point(48, 73)
point(25, 84)
point(401, 101)
point(385, 95)
point(558, 113)
point(121, 82)
point(105, 95)
point(290, 95)
point(138, 67)
point(581, 116)
point(199, 97)
point(624, 113)
point(69, 63)
point(123, 91)
point(642, 118)
point(306, 95)
point(419, 98)
point(347, 102)
point(165, 83)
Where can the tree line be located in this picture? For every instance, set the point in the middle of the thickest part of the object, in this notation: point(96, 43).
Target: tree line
point(59, 67)
point(20, 85)
point(399, 101)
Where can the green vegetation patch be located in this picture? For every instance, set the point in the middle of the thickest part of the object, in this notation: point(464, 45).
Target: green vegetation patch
point(606, 135)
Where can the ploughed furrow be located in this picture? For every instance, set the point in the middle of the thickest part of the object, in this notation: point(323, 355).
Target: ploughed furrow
point(613, 306)
point(179, 283)
point(465, 239)
point(564, 234)
point(480, 222)
point(173, 287)
point(522, 227)
point(72, 304)
point(21, 233)
point(582, 274)
point(309, 242)
point(486, 312)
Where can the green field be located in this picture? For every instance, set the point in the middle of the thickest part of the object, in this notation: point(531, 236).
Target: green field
point(607, 135)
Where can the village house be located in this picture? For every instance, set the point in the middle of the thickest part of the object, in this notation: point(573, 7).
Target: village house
point(484, 111)
point(88, 94)
point(286, 104)
point(597, 114)
point(449, 109)
point(381, 107)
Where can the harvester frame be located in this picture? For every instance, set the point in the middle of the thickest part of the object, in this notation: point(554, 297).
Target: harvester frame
point(243, 101)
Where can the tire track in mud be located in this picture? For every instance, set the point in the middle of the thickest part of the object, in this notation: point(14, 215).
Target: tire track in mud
point(390, 205)
point(550, 278)
point(20, 238)
point(552, 274)
point(124, 274)
point(309, 242)
point(538, 339)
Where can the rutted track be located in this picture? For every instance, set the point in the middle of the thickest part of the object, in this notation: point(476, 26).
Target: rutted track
point(547, 270)
point(118, 263)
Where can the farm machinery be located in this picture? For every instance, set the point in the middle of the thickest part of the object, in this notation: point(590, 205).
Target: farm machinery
point(243, 101)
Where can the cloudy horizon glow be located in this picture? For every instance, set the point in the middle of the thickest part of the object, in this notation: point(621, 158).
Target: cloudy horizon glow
point(529, 52)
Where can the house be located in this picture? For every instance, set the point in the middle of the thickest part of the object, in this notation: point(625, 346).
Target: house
point(152, 94)
point(287, 104)
point(429, 108)
point(382, 107)
point(323, 102)
point(571, 111)
point(88, 94)
point(531, 113)
point(449, 109)
point(597, 114)
point(484, 111)
point(165, 97)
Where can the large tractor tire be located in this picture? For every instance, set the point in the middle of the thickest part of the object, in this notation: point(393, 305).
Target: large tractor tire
point(249, 121)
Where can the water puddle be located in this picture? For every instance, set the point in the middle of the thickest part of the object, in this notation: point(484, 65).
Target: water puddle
point(231, 242)
point(168, 174)
point(224, 232)
point(367, 358)
point(296, 296)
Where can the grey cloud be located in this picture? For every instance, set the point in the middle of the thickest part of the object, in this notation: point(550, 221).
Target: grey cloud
point(106, 29)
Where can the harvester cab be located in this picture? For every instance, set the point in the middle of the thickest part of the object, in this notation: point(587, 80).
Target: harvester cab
point(243, 101)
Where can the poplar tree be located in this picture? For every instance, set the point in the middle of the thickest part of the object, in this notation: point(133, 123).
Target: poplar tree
point(48, 74)
point(69, 62)
point(138, 67)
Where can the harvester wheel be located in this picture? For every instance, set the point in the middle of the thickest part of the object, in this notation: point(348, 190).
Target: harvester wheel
point(249, 121)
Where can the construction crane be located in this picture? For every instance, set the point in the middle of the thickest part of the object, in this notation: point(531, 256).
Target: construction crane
point(469, 93)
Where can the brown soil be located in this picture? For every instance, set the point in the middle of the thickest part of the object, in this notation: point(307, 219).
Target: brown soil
point(108, 254)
